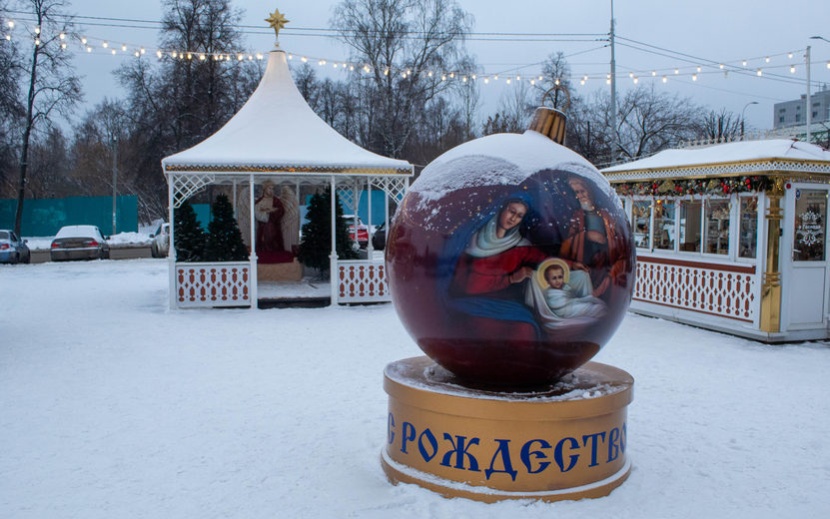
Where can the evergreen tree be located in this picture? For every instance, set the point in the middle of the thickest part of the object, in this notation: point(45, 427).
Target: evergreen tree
point(316, 244)
point(188, 234)
point(224, 240)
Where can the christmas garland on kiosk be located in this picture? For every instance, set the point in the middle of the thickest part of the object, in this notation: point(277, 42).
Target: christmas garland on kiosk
point(715, 186)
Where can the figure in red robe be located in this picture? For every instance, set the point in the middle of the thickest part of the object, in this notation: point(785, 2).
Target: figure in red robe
point(490, 275)
point(268, 212)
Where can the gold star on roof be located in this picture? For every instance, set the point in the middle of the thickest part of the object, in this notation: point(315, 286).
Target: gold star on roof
point(277, 21)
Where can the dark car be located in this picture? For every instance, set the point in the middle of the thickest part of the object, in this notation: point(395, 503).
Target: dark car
point(13, 249)
point(79, 242)
point(379, 237)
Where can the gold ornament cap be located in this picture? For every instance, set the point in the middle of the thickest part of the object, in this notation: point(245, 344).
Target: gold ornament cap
point(550, 123)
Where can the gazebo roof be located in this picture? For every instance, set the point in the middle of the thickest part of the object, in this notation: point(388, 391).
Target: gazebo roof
point(276, 132)
point(736, 158)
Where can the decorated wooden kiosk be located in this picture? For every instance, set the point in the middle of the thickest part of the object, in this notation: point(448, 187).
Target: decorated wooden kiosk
point(732, 237)
point(265, 155)
point(511, 265)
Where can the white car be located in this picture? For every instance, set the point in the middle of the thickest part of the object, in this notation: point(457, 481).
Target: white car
point(160, 246)
point(79, 242)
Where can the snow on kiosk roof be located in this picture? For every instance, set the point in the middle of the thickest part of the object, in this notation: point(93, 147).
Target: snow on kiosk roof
point(277, 132)
point(736, 158)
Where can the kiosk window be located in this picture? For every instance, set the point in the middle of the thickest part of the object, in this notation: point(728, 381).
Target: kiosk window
point(664, 213)
point(641, 223)
point(810, 225)
point(716, 227)
point(748, 227)
point(690, 212)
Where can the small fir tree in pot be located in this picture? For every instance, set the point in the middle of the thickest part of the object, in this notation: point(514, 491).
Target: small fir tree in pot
point(316, 244)
point(224, 241)
point(188, 234)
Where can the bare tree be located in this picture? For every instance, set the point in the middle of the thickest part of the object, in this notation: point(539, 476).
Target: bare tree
point(52, 87)
point(652, 121)
point(407, 47)
point(515, 110)
point(555, 86)
point(720, 126)
point(50, 166)
point(589, 128)
point(185, 99)
point(11, 109)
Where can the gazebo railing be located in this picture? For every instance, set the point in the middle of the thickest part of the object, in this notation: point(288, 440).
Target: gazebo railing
point(360, 281)
point(222, 284)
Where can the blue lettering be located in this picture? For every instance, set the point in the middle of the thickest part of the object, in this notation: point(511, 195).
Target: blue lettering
point(613, 444)
point(432, 441)
point(390, 429)
point(407, 435)
point(460, 451)
point(559, 457)
point(528, 456)
point(504, 450)
point(593, 438)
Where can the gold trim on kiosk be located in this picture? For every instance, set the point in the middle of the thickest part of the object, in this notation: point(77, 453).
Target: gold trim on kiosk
point(771, 288)
point(566, 442)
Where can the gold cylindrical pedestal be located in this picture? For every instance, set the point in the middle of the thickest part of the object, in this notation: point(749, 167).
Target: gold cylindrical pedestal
point(567, 441)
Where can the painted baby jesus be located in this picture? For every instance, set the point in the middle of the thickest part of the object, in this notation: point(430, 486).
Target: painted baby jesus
point(562, 297)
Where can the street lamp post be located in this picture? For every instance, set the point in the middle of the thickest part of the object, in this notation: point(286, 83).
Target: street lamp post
point(742, 116)
point(114, 181)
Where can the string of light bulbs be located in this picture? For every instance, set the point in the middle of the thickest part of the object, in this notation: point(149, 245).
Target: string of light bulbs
point(763, 66)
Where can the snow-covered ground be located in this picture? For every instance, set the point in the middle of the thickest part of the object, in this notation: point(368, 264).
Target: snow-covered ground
point(114, 406)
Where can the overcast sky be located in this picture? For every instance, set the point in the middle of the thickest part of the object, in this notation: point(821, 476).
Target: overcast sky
point(668, 34)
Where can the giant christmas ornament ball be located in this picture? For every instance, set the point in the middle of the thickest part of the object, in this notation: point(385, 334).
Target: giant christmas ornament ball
point(510, 261)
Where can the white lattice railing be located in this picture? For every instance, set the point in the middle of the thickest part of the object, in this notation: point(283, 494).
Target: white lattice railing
point(213, 284)
point(721, 290)
point(362, 281)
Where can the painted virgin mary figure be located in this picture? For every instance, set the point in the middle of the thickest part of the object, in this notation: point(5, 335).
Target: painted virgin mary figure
point(487, 288)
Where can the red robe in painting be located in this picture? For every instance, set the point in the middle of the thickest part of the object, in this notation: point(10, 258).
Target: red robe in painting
point(488, 278)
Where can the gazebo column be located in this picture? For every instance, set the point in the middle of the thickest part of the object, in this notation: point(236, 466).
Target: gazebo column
point(333, 274)
point(171, 255)
point(369, 230)
point(253, 257)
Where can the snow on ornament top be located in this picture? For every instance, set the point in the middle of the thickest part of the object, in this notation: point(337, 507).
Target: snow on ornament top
point(510, 260)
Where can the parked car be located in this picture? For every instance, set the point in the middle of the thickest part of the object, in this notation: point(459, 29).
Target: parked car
point(160, 246)
point(79, 242)
point(13, 249)
point(362, 231)
point(379, 237)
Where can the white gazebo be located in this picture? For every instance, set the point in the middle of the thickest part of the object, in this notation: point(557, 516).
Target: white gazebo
point(277, 137)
